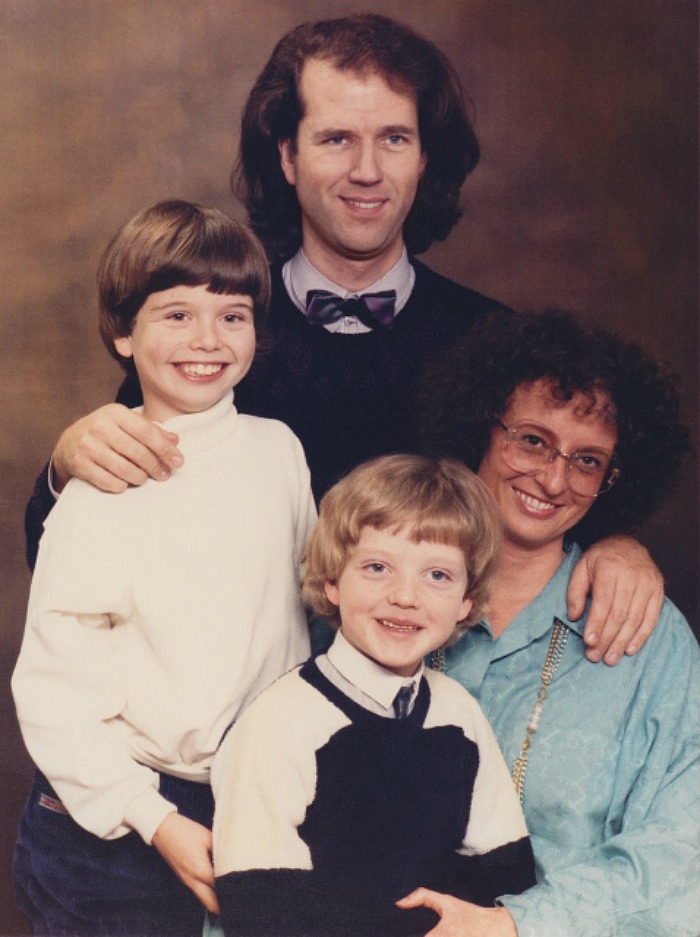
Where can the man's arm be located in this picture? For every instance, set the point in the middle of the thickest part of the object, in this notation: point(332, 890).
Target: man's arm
point(111, 448)
point(38, 508)
point(626, 590)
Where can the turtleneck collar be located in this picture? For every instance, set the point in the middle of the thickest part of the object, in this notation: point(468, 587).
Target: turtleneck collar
point(199, 431)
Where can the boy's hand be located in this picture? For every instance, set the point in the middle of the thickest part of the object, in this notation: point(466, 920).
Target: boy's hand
point(187, 847)
point(626, 590)
point(460, 918)
point(112, 448)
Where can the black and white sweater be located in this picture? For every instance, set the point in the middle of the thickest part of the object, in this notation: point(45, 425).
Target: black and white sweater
point(326, 814)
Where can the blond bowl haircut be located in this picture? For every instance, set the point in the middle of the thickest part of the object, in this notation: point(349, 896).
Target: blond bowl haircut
point(437, 500)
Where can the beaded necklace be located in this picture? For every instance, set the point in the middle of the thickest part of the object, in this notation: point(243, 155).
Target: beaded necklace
point(555, 653)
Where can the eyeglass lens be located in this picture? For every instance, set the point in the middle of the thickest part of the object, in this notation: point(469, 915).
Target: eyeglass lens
point(529, 450)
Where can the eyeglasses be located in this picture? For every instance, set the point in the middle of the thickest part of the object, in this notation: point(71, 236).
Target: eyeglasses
point(529, 449)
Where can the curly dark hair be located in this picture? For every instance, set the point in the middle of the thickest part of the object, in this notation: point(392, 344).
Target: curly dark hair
point(410, 64)
point(473, 384)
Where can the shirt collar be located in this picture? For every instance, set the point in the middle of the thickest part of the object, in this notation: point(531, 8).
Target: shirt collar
point(376, 681)
point(300, 276)
point(536, 618)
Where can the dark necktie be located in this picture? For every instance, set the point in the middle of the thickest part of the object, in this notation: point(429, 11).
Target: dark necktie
point(372, 309)
point(402, 701)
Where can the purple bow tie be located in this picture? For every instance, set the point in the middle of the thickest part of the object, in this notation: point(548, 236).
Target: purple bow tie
point(372, 309)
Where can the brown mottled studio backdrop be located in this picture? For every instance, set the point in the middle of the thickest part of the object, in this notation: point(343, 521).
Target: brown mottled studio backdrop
point(585, 198)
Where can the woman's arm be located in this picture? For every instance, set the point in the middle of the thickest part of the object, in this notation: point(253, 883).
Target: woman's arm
point(642, 876)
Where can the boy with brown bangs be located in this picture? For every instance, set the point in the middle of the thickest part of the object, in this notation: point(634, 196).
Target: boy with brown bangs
point(156, 616)
point(361, 775)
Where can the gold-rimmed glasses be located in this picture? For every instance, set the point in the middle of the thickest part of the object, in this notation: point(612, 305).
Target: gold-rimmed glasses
point(529, 448)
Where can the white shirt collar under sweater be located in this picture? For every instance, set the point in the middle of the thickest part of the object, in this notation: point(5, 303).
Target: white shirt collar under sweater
point(364, 681)
point(200, 431)
point(300, 276)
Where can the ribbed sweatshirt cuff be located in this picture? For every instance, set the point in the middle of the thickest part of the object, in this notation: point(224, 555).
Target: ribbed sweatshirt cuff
point(146, 813)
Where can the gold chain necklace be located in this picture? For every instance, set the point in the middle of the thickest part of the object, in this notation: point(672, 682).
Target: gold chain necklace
point(555, 653)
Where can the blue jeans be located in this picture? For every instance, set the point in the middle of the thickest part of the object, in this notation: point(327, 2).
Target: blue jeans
point(70, 883)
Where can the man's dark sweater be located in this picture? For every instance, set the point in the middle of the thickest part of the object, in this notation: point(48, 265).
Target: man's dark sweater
point(350, 398)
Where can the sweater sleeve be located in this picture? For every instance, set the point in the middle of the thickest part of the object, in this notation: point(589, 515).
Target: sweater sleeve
point(643, 879)
point(496, 846)
point(495, 854)
point(38, 509)
point(67, 684)
point(306, 506)
point(263, 778)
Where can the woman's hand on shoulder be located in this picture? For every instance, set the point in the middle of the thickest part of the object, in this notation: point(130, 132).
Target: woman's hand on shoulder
point(460, 918)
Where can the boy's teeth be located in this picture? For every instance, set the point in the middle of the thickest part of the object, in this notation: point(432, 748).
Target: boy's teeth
point(201, 370)
point(391, 624)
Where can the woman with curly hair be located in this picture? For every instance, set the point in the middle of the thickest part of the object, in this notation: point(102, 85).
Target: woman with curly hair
point(577, 435)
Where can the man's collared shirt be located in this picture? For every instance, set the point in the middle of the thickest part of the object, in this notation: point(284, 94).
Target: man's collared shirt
point(300, 276)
